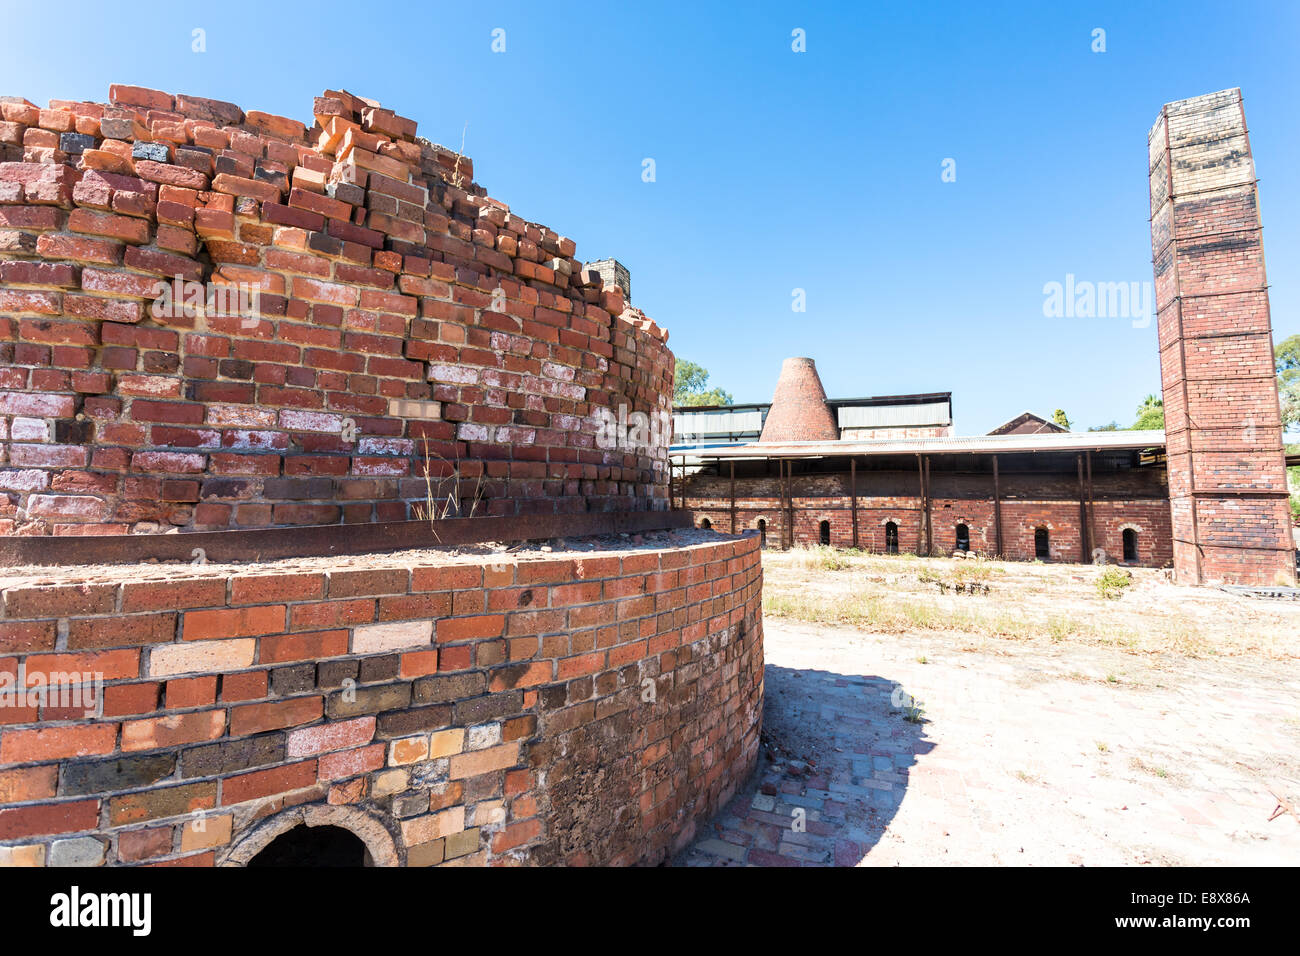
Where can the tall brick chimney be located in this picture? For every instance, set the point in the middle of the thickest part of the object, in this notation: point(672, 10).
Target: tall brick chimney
point(799, 411)
point(613, 272)
point(1223, 430)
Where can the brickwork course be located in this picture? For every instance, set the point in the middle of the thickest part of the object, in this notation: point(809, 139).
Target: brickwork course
point(406, 326)
point(512, 709)
point(1227, 478)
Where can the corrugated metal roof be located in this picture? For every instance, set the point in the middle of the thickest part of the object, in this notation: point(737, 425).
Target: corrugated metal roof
point(717, 423)
point(977, 445)
point(886, 416)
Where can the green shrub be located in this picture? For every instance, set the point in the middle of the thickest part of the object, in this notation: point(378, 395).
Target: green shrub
point(1112, 582)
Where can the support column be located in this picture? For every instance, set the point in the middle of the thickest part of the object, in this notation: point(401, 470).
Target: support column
point(789, 501)
point(1086, 556)
point(929, 520)
point(853, 494)
point(923, 508)
point(1092, 510)
point(780, 490)
point(733, 496)
point(997, 509)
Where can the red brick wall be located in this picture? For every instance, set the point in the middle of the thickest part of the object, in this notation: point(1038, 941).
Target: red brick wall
point(1120, 500)
point(1230, 515)
point(421, 314)
point(556, 710)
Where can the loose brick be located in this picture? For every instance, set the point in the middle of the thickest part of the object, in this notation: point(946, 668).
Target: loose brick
point(72, 816)
point(201, 657)
point(274, 715)
point(224, 623)
point(56, 743)
point(157, 732)
point(265, 783)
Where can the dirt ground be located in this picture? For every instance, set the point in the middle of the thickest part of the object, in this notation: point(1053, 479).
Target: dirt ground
point(1038, 723)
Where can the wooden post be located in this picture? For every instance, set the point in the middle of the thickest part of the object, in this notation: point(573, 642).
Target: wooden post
point(780, 487)
point(920, 471)
point(733, 496)
point(853, 493)
point(997, 509)
point(929, 529)
point(1083, 514)
point(1092, 516)
point(789, 500)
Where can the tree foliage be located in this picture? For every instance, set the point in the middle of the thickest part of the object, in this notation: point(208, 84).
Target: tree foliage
point(1060, 418)
point(1287, 360)
point(691, 387)
point(1150, 414)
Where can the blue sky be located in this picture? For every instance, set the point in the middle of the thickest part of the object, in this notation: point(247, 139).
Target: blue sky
point(778, 170)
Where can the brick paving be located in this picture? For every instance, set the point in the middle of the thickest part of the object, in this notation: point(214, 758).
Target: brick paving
point(1023, 756)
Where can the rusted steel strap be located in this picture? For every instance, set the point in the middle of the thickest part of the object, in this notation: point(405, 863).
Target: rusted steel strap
point(262, 544)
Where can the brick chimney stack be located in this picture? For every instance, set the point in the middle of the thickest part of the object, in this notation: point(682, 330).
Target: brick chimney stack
point(613, 272)
point(1223, 433)
point(799, 411)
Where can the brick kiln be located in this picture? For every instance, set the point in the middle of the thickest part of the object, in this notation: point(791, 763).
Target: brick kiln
point(303, 342)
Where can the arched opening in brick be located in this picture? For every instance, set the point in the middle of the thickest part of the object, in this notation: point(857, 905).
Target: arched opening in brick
point(824, 532)
point(380, 849)
point(1042, 545)
point(1130, 545)
point(326, 846)
point(891, 538)
point(762, 532)
point(963, 538)
point(706, 523)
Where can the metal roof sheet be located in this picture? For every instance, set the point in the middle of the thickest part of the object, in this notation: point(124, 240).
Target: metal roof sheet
point(886, 416)
point(978, 445)
point(717, 423)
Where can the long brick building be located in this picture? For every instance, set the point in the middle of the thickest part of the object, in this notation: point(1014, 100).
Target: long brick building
point(1035, 491)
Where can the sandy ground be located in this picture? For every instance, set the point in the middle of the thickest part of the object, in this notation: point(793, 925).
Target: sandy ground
point(1126, 741)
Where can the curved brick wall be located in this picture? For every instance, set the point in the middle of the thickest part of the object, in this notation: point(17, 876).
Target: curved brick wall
point(529, 708)
point(392, 302)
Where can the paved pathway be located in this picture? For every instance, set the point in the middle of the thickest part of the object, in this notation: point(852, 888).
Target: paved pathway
point(1064, 756)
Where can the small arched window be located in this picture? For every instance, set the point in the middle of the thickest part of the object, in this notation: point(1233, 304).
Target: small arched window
point(1130, 545)
point(824, 532)
point(1042, 546)
point(891, 538)
point(963, 538)
point(762, 532)
point(706, 523)
point(313, 846)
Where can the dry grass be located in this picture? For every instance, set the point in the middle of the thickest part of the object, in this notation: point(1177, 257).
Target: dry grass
point(1018, 601)
point(450, 499)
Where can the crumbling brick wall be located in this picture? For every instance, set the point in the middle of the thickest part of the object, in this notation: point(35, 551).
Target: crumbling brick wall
point(396, 322)
point(505, 709)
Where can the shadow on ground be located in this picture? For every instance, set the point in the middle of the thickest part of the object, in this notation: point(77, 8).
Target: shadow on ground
point(832, 773)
